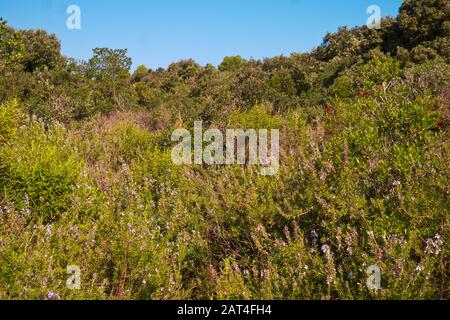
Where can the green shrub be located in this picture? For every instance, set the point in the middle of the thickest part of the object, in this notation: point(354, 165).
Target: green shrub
point(10, 119)
point(40, 171)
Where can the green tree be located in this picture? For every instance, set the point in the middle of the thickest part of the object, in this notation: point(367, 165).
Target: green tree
point(109, 64)
point(43, 51)
point(11, 47)
point(140, 73)
point(231, 63)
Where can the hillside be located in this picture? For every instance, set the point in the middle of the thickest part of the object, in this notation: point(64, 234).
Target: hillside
point(87, 178)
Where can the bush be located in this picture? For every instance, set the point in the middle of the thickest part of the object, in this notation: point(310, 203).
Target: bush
point(11, 117)
point(40, 171)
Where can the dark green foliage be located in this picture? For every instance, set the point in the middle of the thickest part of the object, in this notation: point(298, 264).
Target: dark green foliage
point(107, 64)
point(12, 49)
point(231, 64)
point(42, 51)
point(423, 21)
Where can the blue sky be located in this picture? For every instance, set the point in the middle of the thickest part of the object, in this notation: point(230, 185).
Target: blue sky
point(159, 32)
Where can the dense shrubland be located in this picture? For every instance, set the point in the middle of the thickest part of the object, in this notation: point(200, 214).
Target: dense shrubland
point(86, 176)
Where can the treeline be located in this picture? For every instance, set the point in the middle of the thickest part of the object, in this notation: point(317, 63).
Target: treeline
point(55, 87)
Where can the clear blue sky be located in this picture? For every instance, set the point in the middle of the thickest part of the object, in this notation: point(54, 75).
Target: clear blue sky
point(159, 32)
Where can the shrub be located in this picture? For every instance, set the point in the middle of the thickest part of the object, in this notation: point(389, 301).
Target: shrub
point(40, 171)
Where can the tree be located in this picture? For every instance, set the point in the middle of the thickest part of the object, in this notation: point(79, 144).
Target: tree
point(184, 70)
point(110, 68)
point(140, 73)
point(423, 20)
point(11, 47)
point(107, 64)
point(43, 51)
point(231, 64)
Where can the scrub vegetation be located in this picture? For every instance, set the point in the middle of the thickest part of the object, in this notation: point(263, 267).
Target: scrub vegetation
point(86, 176)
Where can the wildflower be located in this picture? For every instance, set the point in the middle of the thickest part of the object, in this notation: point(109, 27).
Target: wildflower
point(331, 277)
point(74, 229)
point(314, 236)
point(287, 233)
point(434, 245)
point(338, 238)
point(26, 204)
point(322, 175)
point(438, 240)
point(48, 229)
point(53, 296)
point(124, 168)
point(130, 228)
point(264, 274)
point(396, 183)
point(349, 243)
point(398, 268)
point(327, 252)
point(325, 249)
point(420, 267)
